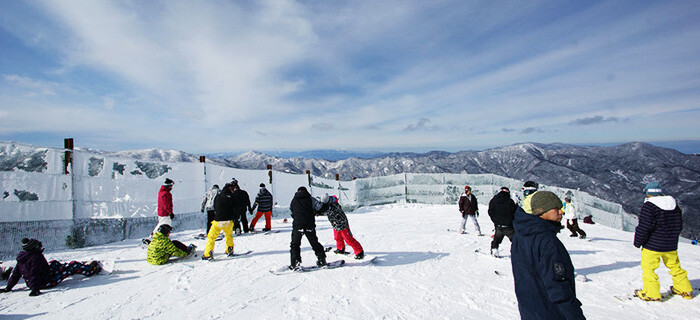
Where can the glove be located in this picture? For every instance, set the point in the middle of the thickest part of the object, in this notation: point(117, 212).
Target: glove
point(172, 216)
point(202, 210)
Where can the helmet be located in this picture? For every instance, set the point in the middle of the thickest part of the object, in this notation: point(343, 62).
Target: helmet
point(467, 188)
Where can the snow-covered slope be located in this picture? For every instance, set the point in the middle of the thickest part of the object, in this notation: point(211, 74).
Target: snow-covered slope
point(422, 272)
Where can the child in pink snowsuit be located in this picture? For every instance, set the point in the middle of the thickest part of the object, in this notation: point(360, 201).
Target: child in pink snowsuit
point(341, 227)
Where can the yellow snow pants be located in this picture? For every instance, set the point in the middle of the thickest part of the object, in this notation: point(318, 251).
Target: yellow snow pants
point(214, 231)
point(650, 261)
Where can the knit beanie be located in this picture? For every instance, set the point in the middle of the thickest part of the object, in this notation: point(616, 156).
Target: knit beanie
point(653, 189)
point(165, 229)
point(168, 182)
point(30, 245)
point(543, 201)
point(262, 185)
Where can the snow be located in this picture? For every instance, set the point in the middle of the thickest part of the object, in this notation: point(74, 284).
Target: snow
point(422, 272)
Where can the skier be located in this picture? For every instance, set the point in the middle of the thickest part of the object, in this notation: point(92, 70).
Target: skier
point(223, 221)
point(502, 212)
point(341, 226)
point(165, 204)
point(264, 203)
point(241, 206)
point(542, 268)
point(571, 216)
point(469, 208)
point(208, 204)
point(660, 224)
point(162, 248)
point(304, 224)
point(40, 274)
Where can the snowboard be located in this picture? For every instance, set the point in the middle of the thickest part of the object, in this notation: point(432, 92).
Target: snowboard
point(203, 236)
point(107, 266)
point(286, 270)
point(488, 253)
point(229, 257)
point(665, 296)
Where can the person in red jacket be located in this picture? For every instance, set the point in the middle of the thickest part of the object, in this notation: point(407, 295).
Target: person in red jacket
point(469, 207)
point(165, 204)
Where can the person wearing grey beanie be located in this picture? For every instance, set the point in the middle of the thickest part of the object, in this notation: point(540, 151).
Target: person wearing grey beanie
point(542, 268)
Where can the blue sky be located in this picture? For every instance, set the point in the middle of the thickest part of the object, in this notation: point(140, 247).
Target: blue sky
point(218, 76)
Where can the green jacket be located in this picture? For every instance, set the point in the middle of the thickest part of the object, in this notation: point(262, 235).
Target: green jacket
point(161, 249)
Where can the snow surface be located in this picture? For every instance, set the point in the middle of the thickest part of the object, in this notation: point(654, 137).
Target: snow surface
point(422, 272)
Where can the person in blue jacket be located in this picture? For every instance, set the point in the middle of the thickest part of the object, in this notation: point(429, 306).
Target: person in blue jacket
point(542, 268)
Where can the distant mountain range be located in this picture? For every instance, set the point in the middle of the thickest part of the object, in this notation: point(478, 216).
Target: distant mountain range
point(614, 173)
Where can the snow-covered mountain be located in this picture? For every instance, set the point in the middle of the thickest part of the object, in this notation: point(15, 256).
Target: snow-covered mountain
point(614, 173)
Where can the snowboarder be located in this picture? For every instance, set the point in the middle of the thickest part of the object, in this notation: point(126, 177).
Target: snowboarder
point(341, 226)
point(571, 216)
point(304, 224)
point(165, 204)
point(502, 212)
point(40, 274)
point(542, 268)
point(529, 188)
point(264, 203)
point(162, 248)
point(241, 206)
point(469, 208)
point(208, 204)
point(660, 224)
point(223, 221)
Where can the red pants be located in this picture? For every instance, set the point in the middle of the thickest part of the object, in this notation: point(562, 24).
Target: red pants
point(343, 236)
point(268, 216)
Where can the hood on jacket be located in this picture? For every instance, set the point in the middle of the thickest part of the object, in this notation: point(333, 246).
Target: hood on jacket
point(527, 224)
point(302, 194)
point(501, 197)
point(24, 256)
point(666, 203)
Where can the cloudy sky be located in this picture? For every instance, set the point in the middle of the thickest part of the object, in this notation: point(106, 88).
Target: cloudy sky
point(216, 76)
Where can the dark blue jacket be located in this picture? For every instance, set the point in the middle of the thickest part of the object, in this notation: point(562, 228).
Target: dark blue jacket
point(660, 224)
point(542, 269)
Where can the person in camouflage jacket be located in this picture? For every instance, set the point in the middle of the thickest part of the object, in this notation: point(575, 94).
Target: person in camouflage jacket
point(341, 226)
point(162, 248)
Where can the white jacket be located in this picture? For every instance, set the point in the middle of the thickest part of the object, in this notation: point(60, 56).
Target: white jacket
point(570, 213)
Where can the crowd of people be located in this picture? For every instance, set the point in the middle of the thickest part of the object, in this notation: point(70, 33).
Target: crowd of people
point(543, 272)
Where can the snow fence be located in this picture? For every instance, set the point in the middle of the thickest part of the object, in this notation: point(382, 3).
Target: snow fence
point(97, 199)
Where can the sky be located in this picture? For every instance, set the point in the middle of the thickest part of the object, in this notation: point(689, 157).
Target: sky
point(222, 76)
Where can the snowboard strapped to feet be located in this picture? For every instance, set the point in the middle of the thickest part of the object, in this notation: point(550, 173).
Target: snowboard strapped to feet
point(287, 270)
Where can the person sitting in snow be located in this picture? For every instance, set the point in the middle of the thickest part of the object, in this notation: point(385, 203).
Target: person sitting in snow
point(660, 225)
point(40, 274)
point(469, 208)
point(162, 248)
point(341, 226)
point(304, 224)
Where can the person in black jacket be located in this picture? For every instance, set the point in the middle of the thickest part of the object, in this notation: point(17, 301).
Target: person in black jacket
point(304, 224)
point(542, 268)
point(241, 206)
point(502, 211)
point(264, 203)
point(223, 221)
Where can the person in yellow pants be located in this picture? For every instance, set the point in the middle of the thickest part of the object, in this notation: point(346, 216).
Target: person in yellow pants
point(223, 221)
point(660, 224)
point(650, 262)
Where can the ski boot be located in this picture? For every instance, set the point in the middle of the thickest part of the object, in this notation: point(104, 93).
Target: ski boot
point(321, 262)
point(295, 266)
point(494, 252)
point(266, 229)
point(208, 258)
point(229, 251)
point(360, 255)
point(191, 248)
point(336, 251)
point(641, 295)
point(685, 295)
